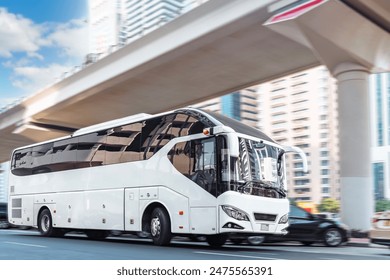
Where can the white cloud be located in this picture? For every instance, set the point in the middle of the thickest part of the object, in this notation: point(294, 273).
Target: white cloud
point(19, 34)
point(31, 78)
point(35, 68)
point(71, 38)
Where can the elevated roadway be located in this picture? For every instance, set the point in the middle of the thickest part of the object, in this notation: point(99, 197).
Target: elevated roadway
point(217, 48)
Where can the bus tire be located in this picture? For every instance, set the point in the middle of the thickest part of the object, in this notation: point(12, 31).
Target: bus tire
point(45, 225)
point(216, 240)
point(160, 227)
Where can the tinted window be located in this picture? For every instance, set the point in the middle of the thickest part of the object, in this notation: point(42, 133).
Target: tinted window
point(41, 157)
point(184, 125)
point(180, 157)
point(155, 134)
point(64, 154)
point(196, 160)
point(90, 149)
point(297, 212)
point(21, 162)
point(124, 143)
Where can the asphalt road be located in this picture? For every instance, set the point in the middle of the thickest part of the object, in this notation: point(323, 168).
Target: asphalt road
point(29, 245)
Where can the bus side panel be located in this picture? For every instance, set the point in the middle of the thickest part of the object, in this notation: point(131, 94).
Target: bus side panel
point(70, 210)
point(104, 209)
point(204, 220)
point(178, 209)
point(132, 216)
point(21, 211)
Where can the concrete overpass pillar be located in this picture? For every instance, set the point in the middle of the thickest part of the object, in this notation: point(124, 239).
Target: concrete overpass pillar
point(354, 130)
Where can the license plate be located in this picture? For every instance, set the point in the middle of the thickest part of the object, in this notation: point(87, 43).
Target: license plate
point(264, 227)
point(387, 223)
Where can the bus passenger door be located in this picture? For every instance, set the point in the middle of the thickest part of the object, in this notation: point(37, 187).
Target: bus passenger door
point(132, 219)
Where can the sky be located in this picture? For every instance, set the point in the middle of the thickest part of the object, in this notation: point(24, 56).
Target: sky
point(39, 41)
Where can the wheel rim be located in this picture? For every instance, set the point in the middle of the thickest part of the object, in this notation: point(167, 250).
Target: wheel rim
point(45, 223)
point(333, 237)
point(155, 226)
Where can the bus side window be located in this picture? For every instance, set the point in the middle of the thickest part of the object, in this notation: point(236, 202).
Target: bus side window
point(180, 157)
point(184, 125)
point(156, 134)
point(21, 162)
point(64, 154)
point(196, 160)
point(203, 167)
point(42, 158)
point(124, 144)
point(88, 149)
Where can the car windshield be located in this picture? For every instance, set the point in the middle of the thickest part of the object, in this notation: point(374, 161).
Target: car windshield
point(259, 169)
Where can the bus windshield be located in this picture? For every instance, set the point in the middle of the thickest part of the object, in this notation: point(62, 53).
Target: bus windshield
point(259, 170)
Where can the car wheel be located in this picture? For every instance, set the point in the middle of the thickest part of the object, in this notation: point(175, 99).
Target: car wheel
point(256, 240)
point(160, 227)
point(333, 237)
point(4, 225)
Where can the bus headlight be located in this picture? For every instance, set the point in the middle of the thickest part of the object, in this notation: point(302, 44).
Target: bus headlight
point(235, 213)
point(283, 219)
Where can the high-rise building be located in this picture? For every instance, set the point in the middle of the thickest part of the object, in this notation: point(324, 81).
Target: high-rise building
point(240, 105)
point(3, 182)
point(117, 22)
point(301, 110)
point(144, 16)
point(105, 19)
point(380, 131)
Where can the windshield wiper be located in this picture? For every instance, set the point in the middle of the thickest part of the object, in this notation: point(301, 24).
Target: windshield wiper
point(262, 184)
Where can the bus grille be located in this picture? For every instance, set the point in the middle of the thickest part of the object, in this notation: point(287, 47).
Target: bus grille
point(16, 208)
point(16, 203)
point(16, 213)
point(265, 217)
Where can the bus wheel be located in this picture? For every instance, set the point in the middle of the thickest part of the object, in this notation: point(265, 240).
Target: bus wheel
point(160, 227)
point(45, 223)
point(216, 240)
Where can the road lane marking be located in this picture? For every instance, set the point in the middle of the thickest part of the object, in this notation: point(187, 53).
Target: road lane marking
point(25, 244)
point(234, 255)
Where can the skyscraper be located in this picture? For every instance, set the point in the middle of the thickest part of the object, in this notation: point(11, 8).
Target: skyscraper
point(3, 182)
point(144, 16)
point(380, 131)
point(113, 23)
point(240, 105)
point(301, 110)
point(105, 19)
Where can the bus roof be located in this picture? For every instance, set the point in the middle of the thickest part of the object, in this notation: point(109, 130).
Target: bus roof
point(239, 126)
point(211, 118)
point(110, 124)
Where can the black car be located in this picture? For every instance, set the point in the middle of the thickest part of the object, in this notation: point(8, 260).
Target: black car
point(3, 216)
point(308, 228)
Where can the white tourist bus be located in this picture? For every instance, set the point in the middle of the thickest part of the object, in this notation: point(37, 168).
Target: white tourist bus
point(185, 173)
